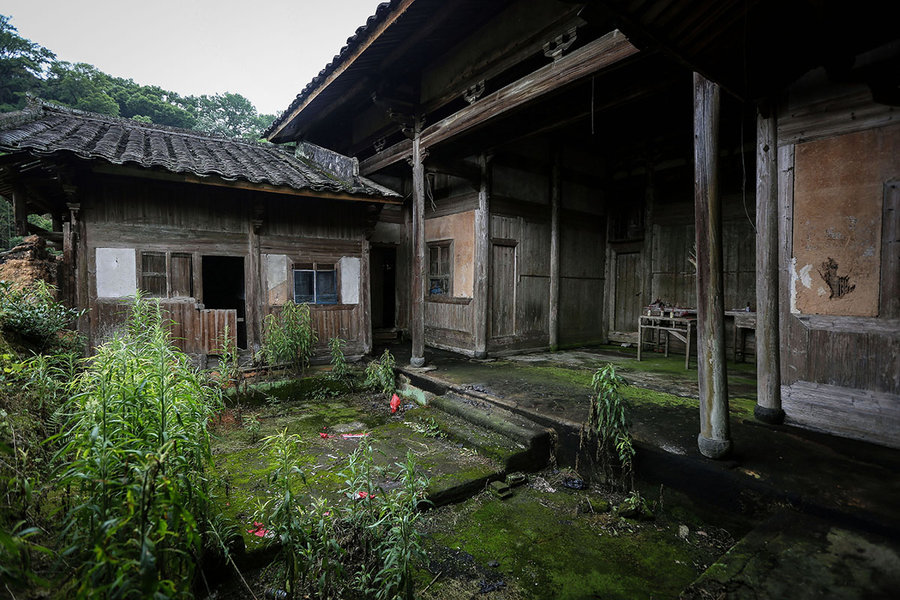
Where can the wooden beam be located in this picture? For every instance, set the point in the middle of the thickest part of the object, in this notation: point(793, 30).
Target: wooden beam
point(417, 327)
point(238, 185)
point(20, 212)
point(768, 362)
point(714, 440)
point(482, 258)
point(347, 62)
point(603, 52)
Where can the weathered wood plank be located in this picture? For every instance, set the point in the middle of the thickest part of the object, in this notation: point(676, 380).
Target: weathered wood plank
point(553, 320)
point(417, 325)
point(889, 305)
point(481, 315)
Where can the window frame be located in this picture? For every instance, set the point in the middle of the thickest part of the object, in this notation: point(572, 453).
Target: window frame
point(316, 267)
point(443, 246)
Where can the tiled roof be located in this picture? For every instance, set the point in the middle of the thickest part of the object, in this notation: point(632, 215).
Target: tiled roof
point(43, 129)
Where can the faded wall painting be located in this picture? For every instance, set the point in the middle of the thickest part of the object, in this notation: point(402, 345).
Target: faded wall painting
point(838, 203)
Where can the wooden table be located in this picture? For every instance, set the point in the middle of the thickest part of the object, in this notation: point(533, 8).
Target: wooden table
point(744, 321)
point(681, 328)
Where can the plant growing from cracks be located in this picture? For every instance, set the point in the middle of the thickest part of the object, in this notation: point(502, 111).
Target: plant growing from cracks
point(340, 370)
point(607, 429)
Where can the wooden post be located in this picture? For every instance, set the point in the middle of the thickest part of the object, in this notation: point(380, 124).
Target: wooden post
point(482, 258)
point(417, 327)
point(714, 440)
point(768, 361)
point(20, 212)
point(554, 253)
point(254, 296)
point(365, 296)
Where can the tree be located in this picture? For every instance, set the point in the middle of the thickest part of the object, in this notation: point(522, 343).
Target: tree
point(228, 114)
point(22, 65)
point(80, 86)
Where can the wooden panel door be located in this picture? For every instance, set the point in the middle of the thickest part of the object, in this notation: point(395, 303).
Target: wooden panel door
point(629, 290)
point(213, 323)
point(503, 290)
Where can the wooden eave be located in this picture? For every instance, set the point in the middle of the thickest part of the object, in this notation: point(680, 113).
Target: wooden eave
point(213, 180)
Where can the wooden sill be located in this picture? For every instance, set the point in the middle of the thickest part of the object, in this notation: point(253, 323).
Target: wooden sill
point(448, 300)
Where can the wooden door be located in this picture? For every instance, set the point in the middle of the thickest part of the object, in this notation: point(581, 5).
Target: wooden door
point(213, 323)
point(503, 290)
point(629, 291)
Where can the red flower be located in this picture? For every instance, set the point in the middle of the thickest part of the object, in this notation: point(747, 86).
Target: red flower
point(395, 403)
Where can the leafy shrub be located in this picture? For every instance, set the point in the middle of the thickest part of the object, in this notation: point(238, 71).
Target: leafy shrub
point(380, 374)
point(607, 427)
point(135, 454)
point(34, 315)
point(289, 338)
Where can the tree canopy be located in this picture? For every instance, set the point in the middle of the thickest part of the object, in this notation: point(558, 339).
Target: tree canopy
point(28, 68)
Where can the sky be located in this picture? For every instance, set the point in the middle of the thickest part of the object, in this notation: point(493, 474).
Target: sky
point(265, 50)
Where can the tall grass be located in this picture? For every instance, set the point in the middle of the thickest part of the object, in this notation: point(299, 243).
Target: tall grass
point(289, 337)
point(136, 452)
point(607, 429)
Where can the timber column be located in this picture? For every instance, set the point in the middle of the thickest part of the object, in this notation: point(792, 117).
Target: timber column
point(714, 440)
point(417, 327)
point(554, 253)
point(768, 359)
point(482, 257)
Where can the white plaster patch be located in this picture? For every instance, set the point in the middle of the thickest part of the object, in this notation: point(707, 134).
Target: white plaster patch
point(277, 278)
point(793, 286)
point(821, 291)
point(349, 266)
point(805, 279)
point(116, 272)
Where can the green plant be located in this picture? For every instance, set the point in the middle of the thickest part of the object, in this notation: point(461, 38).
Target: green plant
point(288, 337)
point(251, 426)
point(135, 455)
point(34, 315)
point(380, 374)
point(340, 370)
point(400, 543)
point(282, 514)
point(607, 426)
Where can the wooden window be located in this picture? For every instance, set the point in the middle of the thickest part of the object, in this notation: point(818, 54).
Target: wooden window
point(315, 283)
point(165, 276)
point(440, 268)
point(153, 274)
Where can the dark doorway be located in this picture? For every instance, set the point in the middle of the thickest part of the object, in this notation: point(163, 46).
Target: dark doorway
point(383, 266)
point(223, 289)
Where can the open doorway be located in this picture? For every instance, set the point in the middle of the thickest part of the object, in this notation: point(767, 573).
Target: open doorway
point(223, 289)
point(383, 268)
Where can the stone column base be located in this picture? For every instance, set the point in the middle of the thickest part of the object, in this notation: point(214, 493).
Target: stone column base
point(417, 361)
point(772, 416)
point(714, 449)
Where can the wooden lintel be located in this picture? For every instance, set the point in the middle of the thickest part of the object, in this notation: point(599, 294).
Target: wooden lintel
point(347, 63)
point(240, 185)
point(599, 54)
point(455, 168)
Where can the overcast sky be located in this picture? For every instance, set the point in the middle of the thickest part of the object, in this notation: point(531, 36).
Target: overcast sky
point(266, 50)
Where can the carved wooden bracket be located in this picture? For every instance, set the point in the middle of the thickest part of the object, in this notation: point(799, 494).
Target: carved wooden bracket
point(474, 92)
point(556, 47)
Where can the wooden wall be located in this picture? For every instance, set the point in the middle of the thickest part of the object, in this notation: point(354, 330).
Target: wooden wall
point(126, 212)
point(840, 372)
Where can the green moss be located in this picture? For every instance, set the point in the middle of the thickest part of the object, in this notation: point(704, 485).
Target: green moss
point(552, 552)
